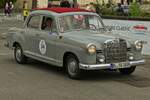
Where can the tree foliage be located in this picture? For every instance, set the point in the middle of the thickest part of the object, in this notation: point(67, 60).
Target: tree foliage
point(2, 2)
point(135, 9)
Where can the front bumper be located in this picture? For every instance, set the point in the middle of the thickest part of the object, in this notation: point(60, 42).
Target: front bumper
point(112, 65)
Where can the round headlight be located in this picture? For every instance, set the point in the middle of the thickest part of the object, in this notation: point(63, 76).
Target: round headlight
point(138, 45)
point(91, 49)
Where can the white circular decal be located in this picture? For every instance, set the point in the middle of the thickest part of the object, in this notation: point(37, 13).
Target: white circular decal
point(42, 47)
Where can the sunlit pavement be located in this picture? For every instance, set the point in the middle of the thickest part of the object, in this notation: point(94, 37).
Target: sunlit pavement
point(39, 81)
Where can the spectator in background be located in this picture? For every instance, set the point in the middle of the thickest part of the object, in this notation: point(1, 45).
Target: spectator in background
point(6, 8)
point(128, 2)
point(90, 7)
point(139, 1)
point(49, 4)
point(120, 9)
point(65, 3)
point(75, 5)
point(11, 6)
point(97, 9)
point(122, 2)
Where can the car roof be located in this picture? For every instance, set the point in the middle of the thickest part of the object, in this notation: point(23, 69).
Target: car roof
point(60, 11)
point(63, 10)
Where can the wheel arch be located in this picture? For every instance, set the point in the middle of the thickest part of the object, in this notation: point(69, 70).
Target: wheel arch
point(16, 43)
point(66, 54)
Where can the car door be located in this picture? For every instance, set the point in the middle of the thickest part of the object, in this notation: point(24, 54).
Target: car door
point(46, 41)
point(31, 31)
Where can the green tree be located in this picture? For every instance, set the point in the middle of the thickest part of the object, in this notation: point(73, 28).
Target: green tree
point(2, 2)
point(135, 10)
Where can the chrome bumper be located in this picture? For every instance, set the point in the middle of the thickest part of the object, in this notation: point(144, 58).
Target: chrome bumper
point(112, 65)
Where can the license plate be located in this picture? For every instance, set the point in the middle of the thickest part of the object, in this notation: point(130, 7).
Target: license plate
point(121, 65)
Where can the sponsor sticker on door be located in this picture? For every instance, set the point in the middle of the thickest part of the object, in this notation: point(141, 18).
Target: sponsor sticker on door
point(42, 47)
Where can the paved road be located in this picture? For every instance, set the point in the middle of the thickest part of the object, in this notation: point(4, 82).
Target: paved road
point(40, 81)
point(8, 22)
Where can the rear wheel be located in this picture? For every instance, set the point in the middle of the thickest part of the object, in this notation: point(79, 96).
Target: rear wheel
point(18, 54)
point(72, 67)
point(127, 71)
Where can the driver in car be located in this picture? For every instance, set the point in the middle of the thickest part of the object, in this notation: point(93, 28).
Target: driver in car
point(48, 24)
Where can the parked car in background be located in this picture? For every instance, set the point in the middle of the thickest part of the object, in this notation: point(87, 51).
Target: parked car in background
point(75, 39)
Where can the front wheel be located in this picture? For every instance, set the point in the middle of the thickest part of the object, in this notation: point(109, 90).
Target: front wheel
point(72, 67)
point(19, 56)
point(127, 71)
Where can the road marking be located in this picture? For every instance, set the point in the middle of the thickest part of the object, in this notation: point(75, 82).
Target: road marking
point(5, 54)
point(17, 17)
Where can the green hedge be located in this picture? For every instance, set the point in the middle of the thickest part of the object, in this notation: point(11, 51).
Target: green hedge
point(134, 11)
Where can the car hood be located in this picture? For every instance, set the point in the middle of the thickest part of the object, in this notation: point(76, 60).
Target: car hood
point(97, 38)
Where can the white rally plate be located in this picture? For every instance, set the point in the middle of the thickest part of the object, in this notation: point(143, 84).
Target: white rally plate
point(121, 65)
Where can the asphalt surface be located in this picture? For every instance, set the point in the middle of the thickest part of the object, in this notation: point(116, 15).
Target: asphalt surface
point(39, 81)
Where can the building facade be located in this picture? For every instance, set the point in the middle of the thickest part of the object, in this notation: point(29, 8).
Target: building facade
point(44, 3)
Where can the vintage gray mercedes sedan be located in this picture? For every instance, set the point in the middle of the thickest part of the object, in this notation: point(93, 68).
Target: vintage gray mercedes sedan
point(75, 39)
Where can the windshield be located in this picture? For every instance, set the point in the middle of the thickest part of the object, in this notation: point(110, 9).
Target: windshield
point(80, 22)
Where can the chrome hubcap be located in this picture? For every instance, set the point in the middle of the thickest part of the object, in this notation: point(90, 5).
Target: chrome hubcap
point(18, 54)
point(72, 67)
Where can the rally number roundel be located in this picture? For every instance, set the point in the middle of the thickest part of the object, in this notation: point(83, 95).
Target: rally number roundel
point(42, 47)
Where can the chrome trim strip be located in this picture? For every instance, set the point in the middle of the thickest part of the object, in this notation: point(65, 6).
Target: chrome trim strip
point(139, 62)
point(93, 67)
point(109, 66)
point(44, 57)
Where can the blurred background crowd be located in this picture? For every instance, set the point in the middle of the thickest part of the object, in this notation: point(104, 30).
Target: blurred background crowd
point(102, 7)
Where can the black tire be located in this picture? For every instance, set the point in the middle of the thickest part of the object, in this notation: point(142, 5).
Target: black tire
point(72, 67)
point(19, 56)
point(127, 71)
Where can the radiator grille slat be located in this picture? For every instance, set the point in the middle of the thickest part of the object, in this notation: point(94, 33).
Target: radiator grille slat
point(115, 51)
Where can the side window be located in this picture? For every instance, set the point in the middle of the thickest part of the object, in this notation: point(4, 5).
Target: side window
point(94, 22)
point(34, 22)
point(48, 24)
point(64, 25)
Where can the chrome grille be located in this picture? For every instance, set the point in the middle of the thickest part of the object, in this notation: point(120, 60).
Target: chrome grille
point(115, 50)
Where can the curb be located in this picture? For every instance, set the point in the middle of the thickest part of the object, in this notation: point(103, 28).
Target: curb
point(16, 16)
point(126, 18)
